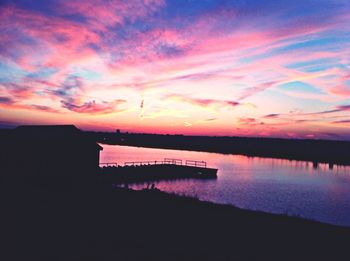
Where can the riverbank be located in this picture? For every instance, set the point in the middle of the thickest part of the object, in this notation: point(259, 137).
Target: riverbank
point(316, 151)
point(120, 224)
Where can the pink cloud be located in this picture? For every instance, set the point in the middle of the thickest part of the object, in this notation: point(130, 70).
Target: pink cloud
point(247, 121)
point(253, 90)
point(55, 42)
point(205, 103)
point(10, 103)
point(101, 14)
point(341, 90)
point(92, 107)
point(22, 91)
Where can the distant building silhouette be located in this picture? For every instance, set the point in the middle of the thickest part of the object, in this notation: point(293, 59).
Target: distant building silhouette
point(48, 153)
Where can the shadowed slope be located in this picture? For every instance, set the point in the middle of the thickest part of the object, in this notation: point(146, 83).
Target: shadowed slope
point(119, 224)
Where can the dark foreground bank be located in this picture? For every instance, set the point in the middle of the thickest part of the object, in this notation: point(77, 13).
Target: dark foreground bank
point(316, 151)
point(118, 224)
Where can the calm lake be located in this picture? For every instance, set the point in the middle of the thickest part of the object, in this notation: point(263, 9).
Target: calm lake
point(270, 185)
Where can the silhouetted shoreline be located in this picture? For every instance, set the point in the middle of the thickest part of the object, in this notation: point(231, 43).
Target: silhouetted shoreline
point(91, 223)
point(55, 206)
point(316, 151)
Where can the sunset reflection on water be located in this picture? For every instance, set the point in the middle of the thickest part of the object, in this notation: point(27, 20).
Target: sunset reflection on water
point(272, 185)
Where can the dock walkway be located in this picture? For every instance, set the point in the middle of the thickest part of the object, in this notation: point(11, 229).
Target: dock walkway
point(143, 171)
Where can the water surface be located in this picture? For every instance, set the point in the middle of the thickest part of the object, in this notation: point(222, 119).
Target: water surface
point(272, 185)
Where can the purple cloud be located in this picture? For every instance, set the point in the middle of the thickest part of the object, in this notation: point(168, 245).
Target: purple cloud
point(92, 107)
point(271, 116)
point(6, 100)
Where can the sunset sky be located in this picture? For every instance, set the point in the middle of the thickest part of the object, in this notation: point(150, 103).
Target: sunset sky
point(207, 67)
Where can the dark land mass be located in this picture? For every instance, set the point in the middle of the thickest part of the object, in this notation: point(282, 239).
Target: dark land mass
point(100, 223)
point(55, 205)
point(317, 151)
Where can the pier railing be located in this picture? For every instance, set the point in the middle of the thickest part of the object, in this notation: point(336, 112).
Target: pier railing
point(149, 162)
point(166, 161)
point(196, 163)
point(173, 161)
point(109, 164)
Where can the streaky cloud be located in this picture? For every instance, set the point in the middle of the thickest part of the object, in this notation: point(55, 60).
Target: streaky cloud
point(92, 107)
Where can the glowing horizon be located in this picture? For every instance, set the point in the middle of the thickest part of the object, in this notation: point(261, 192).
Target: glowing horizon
point(246, 68)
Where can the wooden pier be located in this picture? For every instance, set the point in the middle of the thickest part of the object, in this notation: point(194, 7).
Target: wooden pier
point(144, 171)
